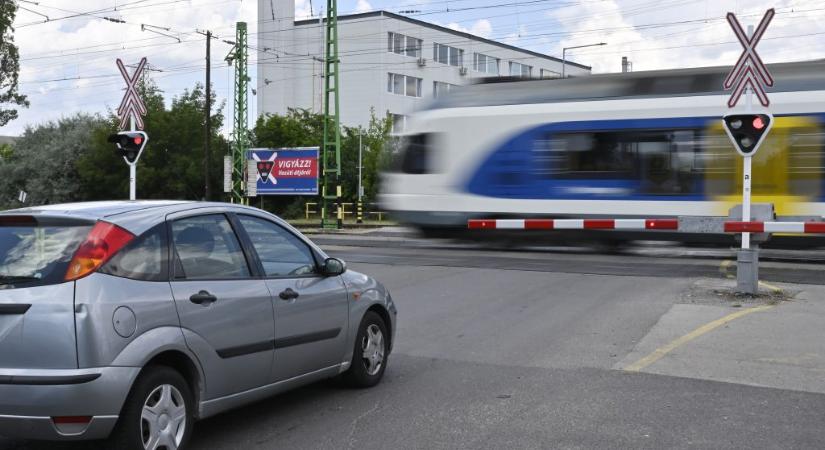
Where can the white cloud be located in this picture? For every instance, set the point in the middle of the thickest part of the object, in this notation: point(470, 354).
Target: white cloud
point(515, 37)
point(303, 9)
point(706, 40)
point(363, 6)
point(481, 27)
point(83, 51)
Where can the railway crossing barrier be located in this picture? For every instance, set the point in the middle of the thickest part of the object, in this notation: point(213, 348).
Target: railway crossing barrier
point(762, 223)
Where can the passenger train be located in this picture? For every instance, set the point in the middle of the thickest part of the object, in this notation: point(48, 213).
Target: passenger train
point(630, 145)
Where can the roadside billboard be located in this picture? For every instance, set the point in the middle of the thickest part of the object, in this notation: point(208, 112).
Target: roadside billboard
point(286, 171)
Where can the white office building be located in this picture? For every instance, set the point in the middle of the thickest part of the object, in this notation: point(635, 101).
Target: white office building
point(389, 63)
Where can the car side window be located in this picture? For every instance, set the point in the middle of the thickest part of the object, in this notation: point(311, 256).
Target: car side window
point(142, 259)
point(281, 253)
point(206, 247)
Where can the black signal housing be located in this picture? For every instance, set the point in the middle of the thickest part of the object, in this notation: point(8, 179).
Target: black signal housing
point(129, 144)
point(747, 131)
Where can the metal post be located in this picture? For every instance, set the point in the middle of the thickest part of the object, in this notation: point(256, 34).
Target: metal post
point(360, 218)
point(240, 138)
point(339, 207)
point(563, 62)
point(132, 168)
point(331, 150)
point(746, 199)
point(747, 258)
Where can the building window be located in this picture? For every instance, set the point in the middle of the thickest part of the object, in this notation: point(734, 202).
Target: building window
point(403, 85)
point(550, 74)
point(404, 45)
point(399, 123)
point(486, 64)
point(520, 70)
point(448, 55)
point(441, 88)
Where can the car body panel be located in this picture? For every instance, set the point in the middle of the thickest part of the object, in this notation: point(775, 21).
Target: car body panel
point(234, 334)
point(311, 331)
point(105, 302)
point(103, 396)
point(43, 336)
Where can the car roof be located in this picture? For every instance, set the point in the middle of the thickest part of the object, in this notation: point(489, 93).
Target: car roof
point(136, 216)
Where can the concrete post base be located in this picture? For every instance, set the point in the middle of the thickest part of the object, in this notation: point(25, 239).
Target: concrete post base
point(747, 271)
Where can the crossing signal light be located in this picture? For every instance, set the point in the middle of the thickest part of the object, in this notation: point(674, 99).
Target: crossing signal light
point(747, 131)
point(129, 144)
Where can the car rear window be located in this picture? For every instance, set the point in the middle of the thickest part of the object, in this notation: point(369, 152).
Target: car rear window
point(37, 250)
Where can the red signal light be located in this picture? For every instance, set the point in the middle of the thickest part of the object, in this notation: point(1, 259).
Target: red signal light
point(758, 123)
point(139, 139)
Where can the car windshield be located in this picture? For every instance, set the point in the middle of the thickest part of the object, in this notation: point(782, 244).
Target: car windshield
point(37, 252)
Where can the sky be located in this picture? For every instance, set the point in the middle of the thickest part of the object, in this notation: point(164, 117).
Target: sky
point(68, 61)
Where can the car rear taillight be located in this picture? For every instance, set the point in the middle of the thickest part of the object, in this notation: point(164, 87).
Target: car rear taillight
point(102, 243)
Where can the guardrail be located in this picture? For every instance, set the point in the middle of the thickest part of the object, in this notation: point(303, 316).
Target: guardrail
point(311, 211)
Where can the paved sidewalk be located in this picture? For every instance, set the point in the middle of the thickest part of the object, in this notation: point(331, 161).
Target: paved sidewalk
point(781, 346)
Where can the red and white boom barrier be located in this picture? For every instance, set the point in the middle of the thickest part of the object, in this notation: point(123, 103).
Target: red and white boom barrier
point(574, 224)
point(775, 227)
point(639, 224)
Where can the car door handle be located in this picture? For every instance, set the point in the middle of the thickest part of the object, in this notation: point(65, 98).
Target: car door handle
point(288, 294)
point(203, 297)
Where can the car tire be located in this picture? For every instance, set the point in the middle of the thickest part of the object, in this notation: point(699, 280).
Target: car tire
point(369, 357)
point(161, 389)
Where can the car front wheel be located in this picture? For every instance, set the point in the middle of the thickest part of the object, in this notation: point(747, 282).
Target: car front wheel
point(369, 358)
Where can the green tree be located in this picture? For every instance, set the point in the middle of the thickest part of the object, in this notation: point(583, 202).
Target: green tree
point(43, 161)
point(171, 166)
point(9, 65)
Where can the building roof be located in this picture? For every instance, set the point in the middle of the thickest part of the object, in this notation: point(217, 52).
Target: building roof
point(444, 29)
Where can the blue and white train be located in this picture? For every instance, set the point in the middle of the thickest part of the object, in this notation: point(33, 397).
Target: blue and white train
point(644, 144)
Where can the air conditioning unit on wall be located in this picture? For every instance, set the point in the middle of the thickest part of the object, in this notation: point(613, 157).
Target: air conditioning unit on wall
point(422, 62)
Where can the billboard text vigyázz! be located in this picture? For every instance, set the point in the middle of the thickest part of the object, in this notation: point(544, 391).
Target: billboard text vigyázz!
point(286, 171)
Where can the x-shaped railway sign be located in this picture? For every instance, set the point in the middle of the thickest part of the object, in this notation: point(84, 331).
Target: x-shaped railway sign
point(749, 70)
point(131, 105)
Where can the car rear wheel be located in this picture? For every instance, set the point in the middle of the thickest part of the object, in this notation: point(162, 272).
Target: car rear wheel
point(158, 414)
point(369, 358)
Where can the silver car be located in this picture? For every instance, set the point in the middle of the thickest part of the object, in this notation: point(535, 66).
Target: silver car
point(131, 320)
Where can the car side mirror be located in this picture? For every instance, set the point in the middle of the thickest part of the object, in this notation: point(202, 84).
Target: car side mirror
point(333, 267)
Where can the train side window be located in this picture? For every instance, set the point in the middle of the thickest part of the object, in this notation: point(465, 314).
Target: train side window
point(663, 161)
point(416, 155)
point(586, 156)
point(667, 162)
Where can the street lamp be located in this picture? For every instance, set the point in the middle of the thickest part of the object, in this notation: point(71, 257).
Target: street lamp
point(564, 55)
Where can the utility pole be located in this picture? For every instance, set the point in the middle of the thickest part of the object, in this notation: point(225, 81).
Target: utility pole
point(235, 163)
point(206, 189)
point(331, 150)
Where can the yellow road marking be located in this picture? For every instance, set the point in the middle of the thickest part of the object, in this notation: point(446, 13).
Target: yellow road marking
point(723, 268)
point(774, 289)
point(660, 352)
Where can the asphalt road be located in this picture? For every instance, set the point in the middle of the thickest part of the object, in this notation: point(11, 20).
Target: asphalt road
point(511, 349)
